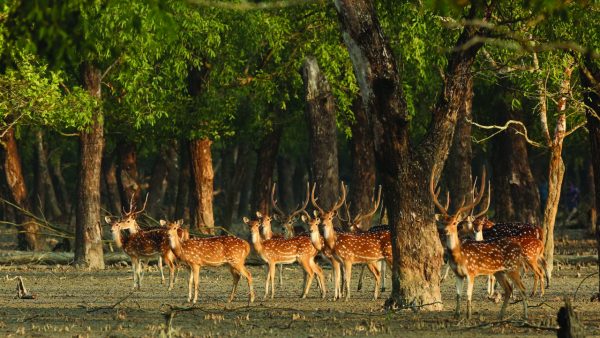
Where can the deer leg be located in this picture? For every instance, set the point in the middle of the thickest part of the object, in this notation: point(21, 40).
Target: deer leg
point(242, 269)
point(459, 286)
point(445, 274)
point(196, 282)
point(516, 278)
point(169, 260)
point(348, 276)
point(190, 283)
point(309, 275)
point(546, 272)
point(280, 275)
point(336, 278)
point(134, 264)
point(360, 278)
point(268, 281)
point(375, 271)
point(501, 278)
point(160, 267)
point(470, 282)
point(320, 279)
point(383, 270)
point(236, 278)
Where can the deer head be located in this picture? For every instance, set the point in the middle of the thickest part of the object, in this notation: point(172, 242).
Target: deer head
point(313, 228)
point(357, 223)
point(128, 219)
point(451, 221)
point(327, 216)
point(288, 220)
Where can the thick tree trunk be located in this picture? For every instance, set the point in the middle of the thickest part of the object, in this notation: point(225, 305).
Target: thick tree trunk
point(590, 77)
point(363, 162)
point(458, 167)
point(516, 197)
point(592, 193)
point(109, 173)
point(320, 113)
point(46, 186)
point(27, 237)
point(263, 175)
point(88, 233)
point(406, 170)
point(201, 210)
point(183, 186)
point(127, 175)
point(158, 186)
point(285, 176)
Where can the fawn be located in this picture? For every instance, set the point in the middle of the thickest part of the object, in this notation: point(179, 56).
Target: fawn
point(211, 251)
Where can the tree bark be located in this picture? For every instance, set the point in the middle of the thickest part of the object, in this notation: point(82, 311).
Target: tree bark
point(88, 233)
point(172, 179)
point(202, 186)
point(285, 176)
point(46, 186)
point(590, 78)
point(363, 162)
point(158, 185)
point(458, 167)
point(406, 169)
point(265, 165)
point(592, 192)
point(127, 175)
point(320, 113)
point(183, 186)
point(516, 196)
point(556, 172)
point(109, 173)
point(12, 170)
point(61, 186)
point(238, 176)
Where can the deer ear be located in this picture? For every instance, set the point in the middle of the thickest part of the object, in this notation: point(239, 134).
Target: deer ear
point(316, 213)
point(107, 219)
point(276, 217)
point(162, 222)
point(439, 217)
point(303, 218)
point(258, 214)
point(246, 219)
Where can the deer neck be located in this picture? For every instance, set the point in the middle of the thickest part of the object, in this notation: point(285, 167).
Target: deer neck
point(117, 238)
point(330, 235)
point(175, 245)
point(479, 236)
point(267, 232)
point(315, 238)
point(256, 241)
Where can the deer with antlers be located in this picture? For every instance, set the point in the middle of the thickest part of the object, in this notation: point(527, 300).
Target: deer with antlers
point(211, 251)
point(351, 248)
point(288, 219)
point(357, 225)
point(142, 245)
point(469, 259)
point(286, 251)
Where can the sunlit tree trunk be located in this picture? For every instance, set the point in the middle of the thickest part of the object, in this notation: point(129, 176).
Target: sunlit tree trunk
point(320, 112)
point(406, 169)
point(12, 172)
point(201, 211)
point(88, 233)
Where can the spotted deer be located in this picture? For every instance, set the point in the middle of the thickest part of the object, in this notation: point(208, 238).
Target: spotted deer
point(351, 248)
point(470, 258)
point(142, 245)
point(286, 251)
point(211, 251)
point(289, 219)
point(360, 223)
point(528, 236)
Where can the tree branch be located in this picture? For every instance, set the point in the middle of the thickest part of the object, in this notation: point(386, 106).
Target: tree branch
point(500, 129)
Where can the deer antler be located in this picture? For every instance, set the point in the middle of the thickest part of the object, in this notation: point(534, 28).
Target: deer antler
point(476, 199)
point(487, 204)
point(135, 213)
point(304, 204)
point(434, 196)
point(342, 198)
point(314, 200)
point(274, 202)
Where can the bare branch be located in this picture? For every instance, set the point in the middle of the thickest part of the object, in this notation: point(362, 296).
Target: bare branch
point(500, 129)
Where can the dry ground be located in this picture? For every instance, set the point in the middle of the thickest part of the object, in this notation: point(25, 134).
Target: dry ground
point(100, 303)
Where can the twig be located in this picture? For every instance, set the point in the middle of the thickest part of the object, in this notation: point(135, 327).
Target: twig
point(111, 306)
point(516, 323)
point(583, 280)
point(500, 129)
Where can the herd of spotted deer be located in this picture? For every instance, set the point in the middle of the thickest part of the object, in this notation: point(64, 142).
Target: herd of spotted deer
point(499, 250)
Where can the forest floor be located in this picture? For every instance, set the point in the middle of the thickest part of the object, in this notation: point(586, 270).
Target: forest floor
point(72, 302)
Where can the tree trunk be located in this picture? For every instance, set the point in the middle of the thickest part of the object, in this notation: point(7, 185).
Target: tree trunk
point(320, 113)
point(263, 175)
point(46, 185)
point(516, 196)
point(458, 167)
point(109, 172)
point(61, 186)
point(406, 169)
point(592, 193)
point(556, 172)
point(127, 176)
point(202, 186)
point(158, 185)
point(240, 162)
point(88, 233)
point(27, 237)
point(285, 176)
point(590, 78)
point(183, 186)
point(363, 162)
